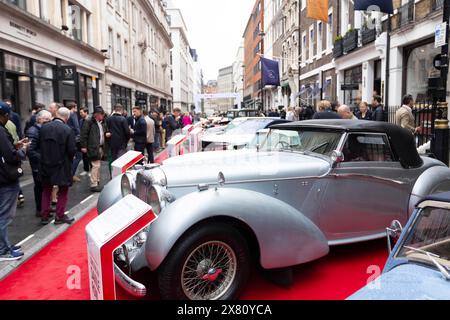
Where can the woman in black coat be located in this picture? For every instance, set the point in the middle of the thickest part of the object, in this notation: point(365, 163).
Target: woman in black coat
point(364, 113)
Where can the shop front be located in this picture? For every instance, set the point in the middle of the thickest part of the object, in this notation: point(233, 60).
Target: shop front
point(74, 86)
point(27, 81)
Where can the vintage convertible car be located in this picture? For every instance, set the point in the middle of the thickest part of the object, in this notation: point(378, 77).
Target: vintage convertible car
point(237, 135)
point(279, 205)
point(419, 266)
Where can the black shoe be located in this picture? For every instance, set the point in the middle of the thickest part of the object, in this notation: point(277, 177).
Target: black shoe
point(45, 222)
point(65, 219)
point(39, 215)
point(96, 189)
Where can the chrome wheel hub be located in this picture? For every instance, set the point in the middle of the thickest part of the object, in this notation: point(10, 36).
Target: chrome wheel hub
point(209, 271)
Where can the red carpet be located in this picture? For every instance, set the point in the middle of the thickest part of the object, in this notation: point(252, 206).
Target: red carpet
point(46, 275)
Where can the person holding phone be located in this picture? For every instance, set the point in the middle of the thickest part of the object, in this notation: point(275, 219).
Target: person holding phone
point(11, 155)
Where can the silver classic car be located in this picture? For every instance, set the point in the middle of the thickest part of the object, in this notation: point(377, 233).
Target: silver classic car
point(281, 204)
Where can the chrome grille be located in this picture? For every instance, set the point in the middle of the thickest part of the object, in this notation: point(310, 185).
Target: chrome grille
point(143, 186)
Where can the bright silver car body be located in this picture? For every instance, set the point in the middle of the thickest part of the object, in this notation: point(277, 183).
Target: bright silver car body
point(292, 205)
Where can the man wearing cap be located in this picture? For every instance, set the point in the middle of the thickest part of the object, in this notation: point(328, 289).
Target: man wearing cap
point(94, 136)
point(10, 171)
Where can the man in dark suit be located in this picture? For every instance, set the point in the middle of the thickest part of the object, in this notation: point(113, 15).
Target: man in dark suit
point(58, 149)
point(120, 132)
point(378, 113)
point(173, 123)
point(140, 130)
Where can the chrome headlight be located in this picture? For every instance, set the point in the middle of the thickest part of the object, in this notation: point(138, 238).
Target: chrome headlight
point(157, 176)
point(125, 186)
point(128, 183)
point(154, 200)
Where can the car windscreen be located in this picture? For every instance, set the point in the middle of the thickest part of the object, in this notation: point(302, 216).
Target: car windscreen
point(302, 140)
point(250, 126)
point(429, 234)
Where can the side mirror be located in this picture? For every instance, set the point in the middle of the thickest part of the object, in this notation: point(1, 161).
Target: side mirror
point(336, 158)
point(393, 234)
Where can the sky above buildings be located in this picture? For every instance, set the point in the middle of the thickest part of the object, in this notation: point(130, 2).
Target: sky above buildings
point(215, 29)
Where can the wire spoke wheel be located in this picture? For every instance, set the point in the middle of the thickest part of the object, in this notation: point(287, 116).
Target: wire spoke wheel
point(209, 271)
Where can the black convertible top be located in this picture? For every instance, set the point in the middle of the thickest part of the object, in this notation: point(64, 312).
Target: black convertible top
point(402, 141)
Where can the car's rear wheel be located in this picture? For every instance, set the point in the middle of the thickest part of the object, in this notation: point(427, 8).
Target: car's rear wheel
point(212, 262)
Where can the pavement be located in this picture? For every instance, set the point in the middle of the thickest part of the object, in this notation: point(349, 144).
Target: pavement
point(26, 229)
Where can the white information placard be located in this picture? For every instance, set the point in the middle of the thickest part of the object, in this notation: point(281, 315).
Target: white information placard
point(125, 162)
point(105, 234)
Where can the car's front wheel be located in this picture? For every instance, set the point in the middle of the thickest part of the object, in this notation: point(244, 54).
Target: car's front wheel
point(212, 262)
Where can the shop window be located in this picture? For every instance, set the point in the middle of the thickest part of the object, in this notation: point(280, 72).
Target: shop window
point(17, 64)
point(43, 91)
point(42, 70)
point(420, 72)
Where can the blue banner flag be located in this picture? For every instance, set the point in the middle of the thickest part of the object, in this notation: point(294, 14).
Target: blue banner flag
point(270, 72)
point(385, 6)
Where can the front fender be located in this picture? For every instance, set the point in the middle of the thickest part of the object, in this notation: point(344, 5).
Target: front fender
point(110, 195)
point(434, 180)
point(285, 236)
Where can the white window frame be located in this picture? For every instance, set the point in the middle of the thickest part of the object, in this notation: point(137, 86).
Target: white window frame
point(311, 43)
point(329, 34)
point(319, 39)
point(304, 49)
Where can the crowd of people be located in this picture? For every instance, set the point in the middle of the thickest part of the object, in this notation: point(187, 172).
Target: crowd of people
point(56, 139)
point(361, 110)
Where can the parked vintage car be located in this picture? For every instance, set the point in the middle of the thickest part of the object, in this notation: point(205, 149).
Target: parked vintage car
point(419, 266)
point(237, 135)
point(281, 204)
point(242, 113)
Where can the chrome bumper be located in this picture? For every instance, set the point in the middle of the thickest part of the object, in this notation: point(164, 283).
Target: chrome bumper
point(134, 288)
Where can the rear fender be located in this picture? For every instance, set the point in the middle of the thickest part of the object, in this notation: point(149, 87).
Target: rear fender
point(284, 235)
point(434, 180)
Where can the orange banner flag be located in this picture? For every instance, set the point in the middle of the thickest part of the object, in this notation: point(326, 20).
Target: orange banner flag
point(317, 9)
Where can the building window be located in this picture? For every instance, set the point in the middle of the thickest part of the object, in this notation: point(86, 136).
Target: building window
point(17, 64)
point(43, 9)
point(74, 21)
point(125, 9)
point(125, 56)
point(20, 3)
point(330, 31)
point(311, 42)
point(111, 47)
point(119, 52)
point(319, 38)
point(304, 52)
